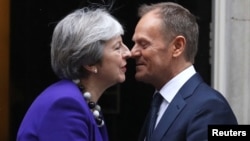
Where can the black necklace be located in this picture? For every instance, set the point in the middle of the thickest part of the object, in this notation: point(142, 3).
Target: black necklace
point(94, 107)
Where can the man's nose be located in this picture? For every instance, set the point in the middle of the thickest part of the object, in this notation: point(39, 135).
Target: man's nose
point(135, 51)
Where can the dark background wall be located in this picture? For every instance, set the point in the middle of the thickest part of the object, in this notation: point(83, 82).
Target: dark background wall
point(32, 23)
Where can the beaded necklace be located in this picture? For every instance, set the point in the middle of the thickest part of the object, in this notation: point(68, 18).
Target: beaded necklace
point(94, 107)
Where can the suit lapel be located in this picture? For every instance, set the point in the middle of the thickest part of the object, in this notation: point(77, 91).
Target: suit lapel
point(168, 117)
point(176, 106)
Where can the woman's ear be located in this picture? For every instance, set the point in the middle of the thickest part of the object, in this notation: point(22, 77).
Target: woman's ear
point(91, 68)
point(179, 45)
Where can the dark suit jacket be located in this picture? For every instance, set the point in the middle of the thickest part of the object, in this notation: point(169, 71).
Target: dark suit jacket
point(187, 117)
point(60, 113)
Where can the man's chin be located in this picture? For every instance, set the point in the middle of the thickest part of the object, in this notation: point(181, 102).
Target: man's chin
point(139, 77)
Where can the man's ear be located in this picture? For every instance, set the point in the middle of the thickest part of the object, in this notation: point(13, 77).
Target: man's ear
point(179, 45)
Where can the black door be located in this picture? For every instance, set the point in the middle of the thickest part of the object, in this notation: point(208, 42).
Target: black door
point(32, 23)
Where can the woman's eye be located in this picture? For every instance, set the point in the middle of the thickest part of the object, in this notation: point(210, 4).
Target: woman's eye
point(117, 48)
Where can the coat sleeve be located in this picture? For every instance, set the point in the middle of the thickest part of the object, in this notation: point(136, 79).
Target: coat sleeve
point(215, 111)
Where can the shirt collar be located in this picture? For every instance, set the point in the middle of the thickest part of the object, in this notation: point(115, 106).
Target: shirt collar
point(170, 89)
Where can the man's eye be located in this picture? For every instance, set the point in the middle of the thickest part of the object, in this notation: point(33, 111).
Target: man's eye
point(144, 44)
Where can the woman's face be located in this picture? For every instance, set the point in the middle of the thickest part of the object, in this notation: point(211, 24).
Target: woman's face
point(113, 65)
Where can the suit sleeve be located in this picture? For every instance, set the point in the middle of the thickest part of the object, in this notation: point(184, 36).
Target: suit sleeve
point(214, 111)
point(65, 121)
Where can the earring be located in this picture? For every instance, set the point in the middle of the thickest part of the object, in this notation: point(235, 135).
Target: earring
point(95, 70)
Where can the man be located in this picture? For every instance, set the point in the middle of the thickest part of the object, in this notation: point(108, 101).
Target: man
point(166, 39)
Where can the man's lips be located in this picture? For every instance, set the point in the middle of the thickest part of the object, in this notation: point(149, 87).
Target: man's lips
point(139, 64)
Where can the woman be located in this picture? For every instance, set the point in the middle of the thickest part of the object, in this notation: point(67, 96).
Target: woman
point(88, 54)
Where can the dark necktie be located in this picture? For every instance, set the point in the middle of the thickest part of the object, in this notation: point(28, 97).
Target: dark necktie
point(155, 104)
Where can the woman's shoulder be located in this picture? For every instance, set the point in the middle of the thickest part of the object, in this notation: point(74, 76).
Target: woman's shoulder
point(63, 89)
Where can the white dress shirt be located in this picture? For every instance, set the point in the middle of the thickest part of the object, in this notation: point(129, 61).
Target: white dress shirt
point(170, 89)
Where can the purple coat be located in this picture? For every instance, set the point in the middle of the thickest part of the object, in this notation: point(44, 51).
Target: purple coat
point(60, 113)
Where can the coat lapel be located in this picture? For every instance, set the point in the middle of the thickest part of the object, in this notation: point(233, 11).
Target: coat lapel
point(176, 106)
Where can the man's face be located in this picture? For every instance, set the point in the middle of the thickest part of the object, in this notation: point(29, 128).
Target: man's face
point(151, 50)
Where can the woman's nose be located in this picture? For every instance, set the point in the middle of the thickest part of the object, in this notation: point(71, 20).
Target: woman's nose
point(126, 52)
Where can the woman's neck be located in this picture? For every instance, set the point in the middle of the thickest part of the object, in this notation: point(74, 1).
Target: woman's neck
point(93, 87)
